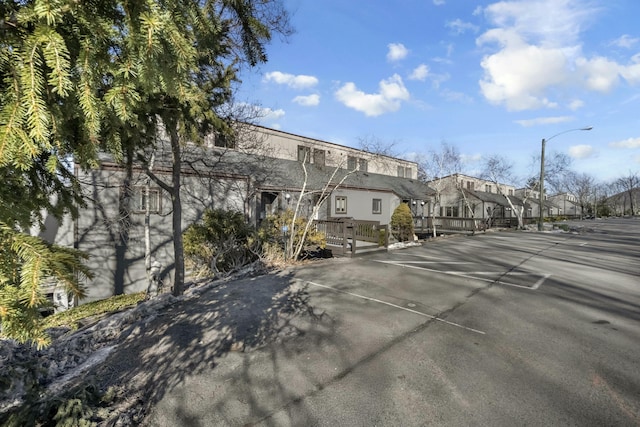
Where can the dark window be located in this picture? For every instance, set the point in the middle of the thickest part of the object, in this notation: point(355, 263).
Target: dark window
point(470, 185)
point(377, 206)
point(222, 140)
point(362, 165)
point(304, 154)
point(487, 188)
point(451, 211)
point(401, 171)
point(408, 173)
point(352, 163)
point(341, 204)
point(318, 157)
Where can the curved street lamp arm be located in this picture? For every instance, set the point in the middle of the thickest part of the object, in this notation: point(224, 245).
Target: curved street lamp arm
point(570, 130)
point(541, 182)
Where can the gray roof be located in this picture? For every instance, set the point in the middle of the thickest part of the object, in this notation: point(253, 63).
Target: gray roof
point(269, 173)
point(498, 199)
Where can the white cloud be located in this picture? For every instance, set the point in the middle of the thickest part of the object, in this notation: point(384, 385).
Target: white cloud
point(580, 151)
point(535, 47)
point(392, 92)
point(631, 73)
point(268, 115)
point(576, 104)
point(419, 73)
point(550, 23)
point(543, 121)
point(397, 51)
point(518, 75)
point(307, 101)
point(626, 143)
point(438, 2)
point(453, 96)
point(460, 27)
point(438, 79)
point(300, 81)
point(625, 41)
point(601, 74)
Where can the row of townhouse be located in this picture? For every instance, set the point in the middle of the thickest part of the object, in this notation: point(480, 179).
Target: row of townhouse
point(466, 196)
point(260, 173)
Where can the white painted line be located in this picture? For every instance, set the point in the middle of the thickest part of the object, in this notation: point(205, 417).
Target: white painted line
point(539, 282)
point(395, 306)
point(432, 262)
point(418, 256)
point(467, 275)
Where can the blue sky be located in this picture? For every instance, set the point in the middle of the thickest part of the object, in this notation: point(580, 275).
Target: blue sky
point(487, 77)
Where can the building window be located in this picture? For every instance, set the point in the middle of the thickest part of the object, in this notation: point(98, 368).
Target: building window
point(470, 185)
point(408, 173)
point(352, 163)
point(510, 192)
point(362, 165)
point(318, 157)
point(401, 171)
point(304, 154)
point(377, 206)
point(451, 211)
point(487, 188)
point(221, 140)
point(139, 202)
point(341, 205)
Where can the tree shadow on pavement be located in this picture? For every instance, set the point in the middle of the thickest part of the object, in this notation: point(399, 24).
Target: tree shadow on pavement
point(189, 338)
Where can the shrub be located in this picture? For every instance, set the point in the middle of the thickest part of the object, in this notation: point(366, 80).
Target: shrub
point(382, 237)
point(272, 237)
point(222, 242)
point(402, 223)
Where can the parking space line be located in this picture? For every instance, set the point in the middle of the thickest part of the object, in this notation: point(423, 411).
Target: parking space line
point(418, 256)
point(395, 306)
point(467, 274)
point(539, 282)
point(436, 262)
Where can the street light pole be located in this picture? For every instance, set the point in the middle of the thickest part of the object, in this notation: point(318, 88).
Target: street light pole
point(541, 210)
point(544, 142)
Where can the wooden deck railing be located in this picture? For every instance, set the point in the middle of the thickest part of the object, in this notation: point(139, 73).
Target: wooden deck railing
point(346, 233)
point(448, 224)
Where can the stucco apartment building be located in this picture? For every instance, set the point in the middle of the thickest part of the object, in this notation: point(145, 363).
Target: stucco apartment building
point(260, 173)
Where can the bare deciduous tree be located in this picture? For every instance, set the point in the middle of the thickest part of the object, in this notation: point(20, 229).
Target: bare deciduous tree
point(582, 186)
point(629, 184)
point(499, 170)
point(321, 196)
point(434, 167)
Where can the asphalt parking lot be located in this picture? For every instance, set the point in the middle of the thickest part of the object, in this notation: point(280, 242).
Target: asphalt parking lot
point(507, 328)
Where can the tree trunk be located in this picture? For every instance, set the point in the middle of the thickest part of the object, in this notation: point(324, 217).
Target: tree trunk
point(436, 205)
point(147, 225)
point(178, 247)
point(124, 228)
